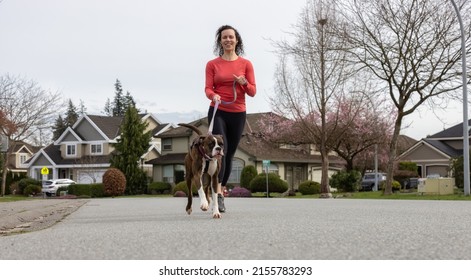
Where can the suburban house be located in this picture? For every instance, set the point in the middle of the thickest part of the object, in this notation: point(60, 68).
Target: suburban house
point(21, 153)
point(294, 163)
point(82, 152)
point(434, 153)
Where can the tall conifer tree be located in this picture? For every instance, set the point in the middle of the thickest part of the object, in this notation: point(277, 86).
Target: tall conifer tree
point(132, 144)
point(71, 116)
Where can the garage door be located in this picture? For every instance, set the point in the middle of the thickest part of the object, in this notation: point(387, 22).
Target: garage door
point(440, 170)
point(90, 176)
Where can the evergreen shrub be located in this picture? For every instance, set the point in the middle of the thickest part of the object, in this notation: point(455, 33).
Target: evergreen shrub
point(159, 188)
point(32, 190)
point(182, 187)
point(247, 174)
point(275, 183)
point(347, 181)
point(309, 187)
point(23, 183)
point(86, 190)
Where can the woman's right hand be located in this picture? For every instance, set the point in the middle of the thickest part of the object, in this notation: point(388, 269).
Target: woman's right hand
point(216, 98)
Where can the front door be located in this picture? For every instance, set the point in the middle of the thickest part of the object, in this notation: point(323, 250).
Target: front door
point(295, 174)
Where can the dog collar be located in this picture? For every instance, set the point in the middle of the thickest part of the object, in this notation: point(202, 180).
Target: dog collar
point(202, 153)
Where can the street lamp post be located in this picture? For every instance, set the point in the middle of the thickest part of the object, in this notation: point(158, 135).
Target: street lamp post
point(465, 106)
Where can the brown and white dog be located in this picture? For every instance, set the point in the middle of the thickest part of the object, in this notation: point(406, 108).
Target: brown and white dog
point(202, 164)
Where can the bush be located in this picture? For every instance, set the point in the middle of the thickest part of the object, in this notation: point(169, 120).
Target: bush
point(23, 183)
point(12, 182)
point(89, 190)
point(32, 190)
point(407, 165)
point(97, 190)
point(61, 189)
point(114, 182)
point(347, 181)
point(158, 188)
point(248, 173)
point(79, 190)
point(240, 192)
point(275, 184)
point(309, 187)
point(402, 175)
point(457, 167)
point(179, 194)
point(183, 188)
point(14, 188)
point(396, 186)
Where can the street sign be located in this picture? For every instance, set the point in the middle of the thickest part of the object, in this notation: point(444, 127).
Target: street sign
point(266, 165)
point(44, 171)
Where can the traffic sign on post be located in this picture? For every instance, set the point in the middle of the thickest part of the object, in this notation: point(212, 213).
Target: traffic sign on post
point(44, 171)
point(266, 165)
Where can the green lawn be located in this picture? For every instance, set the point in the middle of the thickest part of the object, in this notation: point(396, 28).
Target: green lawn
point(412, 195)
point(9, 198)
point(378, 195)
point(356, 195)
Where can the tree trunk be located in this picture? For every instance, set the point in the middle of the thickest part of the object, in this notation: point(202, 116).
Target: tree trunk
point(325, 192)
point(4, 173)
point(392, 154)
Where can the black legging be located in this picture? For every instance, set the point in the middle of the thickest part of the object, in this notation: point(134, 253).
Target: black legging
point(230, 126)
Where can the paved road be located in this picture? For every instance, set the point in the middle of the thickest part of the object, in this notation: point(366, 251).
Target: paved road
point(253, 228)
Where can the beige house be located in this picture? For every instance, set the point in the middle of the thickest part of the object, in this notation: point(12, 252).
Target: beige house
point(82, 153)
point(294, 164)
point(21, 153)
point(434, 153)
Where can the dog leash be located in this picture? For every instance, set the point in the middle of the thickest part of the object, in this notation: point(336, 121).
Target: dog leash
point(216, 105)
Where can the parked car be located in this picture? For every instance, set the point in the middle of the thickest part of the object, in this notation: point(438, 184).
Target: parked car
point(50, 187)
point(368, 181)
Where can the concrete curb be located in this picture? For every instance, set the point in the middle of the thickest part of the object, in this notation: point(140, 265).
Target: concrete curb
point(31, 215)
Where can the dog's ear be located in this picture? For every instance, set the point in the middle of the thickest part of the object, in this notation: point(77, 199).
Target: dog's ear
point(201, 139)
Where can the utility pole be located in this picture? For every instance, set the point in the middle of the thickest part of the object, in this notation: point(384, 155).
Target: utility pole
point(465, 106)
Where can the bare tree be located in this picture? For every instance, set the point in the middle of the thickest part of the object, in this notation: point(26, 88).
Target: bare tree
point(27, 108)
point(412, 48)
point(313, 78)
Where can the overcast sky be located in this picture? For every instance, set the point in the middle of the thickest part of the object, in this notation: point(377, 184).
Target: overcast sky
point(158, 49)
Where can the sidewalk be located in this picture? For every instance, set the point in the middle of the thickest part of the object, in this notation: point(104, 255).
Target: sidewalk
point(31, 215)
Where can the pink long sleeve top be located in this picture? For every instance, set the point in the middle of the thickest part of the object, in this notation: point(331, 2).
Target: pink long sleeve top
point(220, 79)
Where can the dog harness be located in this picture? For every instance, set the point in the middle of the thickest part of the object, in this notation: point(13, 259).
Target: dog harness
point(207, 159)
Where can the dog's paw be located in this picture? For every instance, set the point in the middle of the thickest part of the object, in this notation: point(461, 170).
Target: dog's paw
point(217, 215)
point(204, 206)
point(188, 211)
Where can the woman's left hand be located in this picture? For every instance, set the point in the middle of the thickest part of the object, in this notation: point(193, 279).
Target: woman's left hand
point(240, 79)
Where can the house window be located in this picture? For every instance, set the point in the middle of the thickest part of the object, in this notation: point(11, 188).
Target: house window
point(237, 166)
point(167, 144)
point(168, 174)
point(96, 149)
point(23, 158)
point(71, 150)
point(273, 168)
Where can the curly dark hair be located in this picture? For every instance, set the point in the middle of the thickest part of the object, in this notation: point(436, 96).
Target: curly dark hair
point(219, 50)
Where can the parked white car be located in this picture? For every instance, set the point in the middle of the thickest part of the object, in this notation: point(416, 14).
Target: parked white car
point(50, 187)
